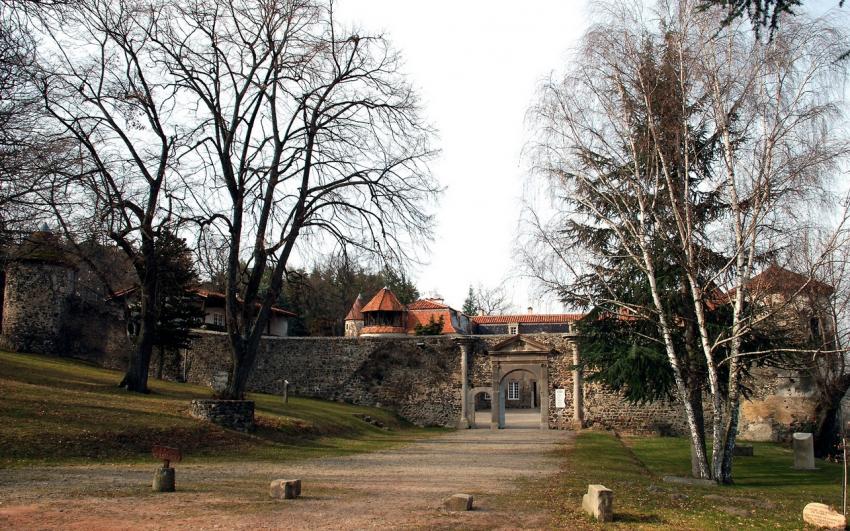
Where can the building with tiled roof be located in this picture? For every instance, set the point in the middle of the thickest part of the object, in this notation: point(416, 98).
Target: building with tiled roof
point(801, 303)
point(384, 315)
point(425, 311)
point(383, 301)
point(354, 318)
point(528, 323)
point(212, 304)
point(778, 280)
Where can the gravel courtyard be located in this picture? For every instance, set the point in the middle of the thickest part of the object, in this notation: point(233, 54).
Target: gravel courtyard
point(399, 488)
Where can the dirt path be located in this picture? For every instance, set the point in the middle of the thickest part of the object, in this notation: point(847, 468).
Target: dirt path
point(400, 488)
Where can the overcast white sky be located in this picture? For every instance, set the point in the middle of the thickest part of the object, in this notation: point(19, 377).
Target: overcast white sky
point(476, 65)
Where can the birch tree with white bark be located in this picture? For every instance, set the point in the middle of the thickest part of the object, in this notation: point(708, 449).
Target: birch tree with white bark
point(675, 146)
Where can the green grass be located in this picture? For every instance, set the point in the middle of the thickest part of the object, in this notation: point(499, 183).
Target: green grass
point(56, 411)
point(767, 494)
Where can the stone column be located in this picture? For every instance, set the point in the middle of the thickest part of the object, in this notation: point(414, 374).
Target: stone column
point(464, 343)
point(578, 391)
point(544, 396)
point(496, 398)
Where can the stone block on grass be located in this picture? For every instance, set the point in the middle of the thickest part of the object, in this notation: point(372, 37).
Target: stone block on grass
point(823, 516)
point(804, 451)
point(458, 502)
point(285, 489)
point(599, 502)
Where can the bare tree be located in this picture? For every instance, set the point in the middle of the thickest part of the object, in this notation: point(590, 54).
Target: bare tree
point(822, 311)
point(99, 85)
point(684, 150)
point(307, 135)
point(29, 154)
point(492, 301)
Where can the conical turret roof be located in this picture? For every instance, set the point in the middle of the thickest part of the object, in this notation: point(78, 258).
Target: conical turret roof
point(384, 301)
point(356, 311)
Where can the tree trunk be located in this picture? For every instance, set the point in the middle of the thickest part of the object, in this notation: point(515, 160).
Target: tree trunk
point(136, 377)
point(244, 354)
point(694, 383)
point(828, 427)
point(731, 434)
point(243, 357)
point(695, 398)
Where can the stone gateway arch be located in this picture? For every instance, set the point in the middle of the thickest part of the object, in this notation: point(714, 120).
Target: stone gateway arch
point(519, 372)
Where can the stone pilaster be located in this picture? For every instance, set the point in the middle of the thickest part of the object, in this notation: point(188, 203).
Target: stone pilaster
point(578, 390)
point(465, 345)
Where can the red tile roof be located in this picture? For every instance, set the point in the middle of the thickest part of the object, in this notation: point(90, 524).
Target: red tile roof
point(536, 318)
point(423, 317)
point(776, 279)
point(356, 311)
point(426, 304)
point(384, 301)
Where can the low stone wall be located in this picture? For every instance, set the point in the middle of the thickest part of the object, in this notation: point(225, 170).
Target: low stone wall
point(232, 414)
point(416, 377)
point(604, 409)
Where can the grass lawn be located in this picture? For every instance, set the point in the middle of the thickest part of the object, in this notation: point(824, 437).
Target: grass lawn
point(59, 411)
point(767, 494)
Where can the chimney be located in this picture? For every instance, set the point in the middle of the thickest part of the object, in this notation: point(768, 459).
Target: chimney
point(480, 311)
point(530, 310)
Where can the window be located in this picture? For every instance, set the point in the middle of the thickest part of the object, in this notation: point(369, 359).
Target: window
point(513, 390)
point(218, 319)
point(513, 329)
point(487, 396)
point(814, 324)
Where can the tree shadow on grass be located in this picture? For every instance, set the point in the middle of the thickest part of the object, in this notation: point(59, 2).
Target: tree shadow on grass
point(635, 518)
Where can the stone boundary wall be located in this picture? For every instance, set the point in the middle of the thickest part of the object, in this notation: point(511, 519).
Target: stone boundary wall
point(417, 377)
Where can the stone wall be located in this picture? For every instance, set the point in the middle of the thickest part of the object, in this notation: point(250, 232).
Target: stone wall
point(782, 402)
point(34, 305)
point(97, 333)
point(416, 377)
point(233, 414)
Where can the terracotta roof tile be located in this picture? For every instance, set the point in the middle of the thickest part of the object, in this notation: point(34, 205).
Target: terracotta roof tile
point(426, 304)
point(423, 317)
point(356, 311)
point(536, 318)
point(384, 301)
point(776, 279)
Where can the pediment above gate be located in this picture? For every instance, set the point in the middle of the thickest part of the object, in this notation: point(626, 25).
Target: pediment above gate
point(519, 345)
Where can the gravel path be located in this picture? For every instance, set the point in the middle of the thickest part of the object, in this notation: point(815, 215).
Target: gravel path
point(399, 488)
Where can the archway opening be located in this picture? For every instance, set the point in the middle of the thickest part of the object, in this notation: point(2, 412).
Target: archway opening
point(521, 392)
point(482, 403)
